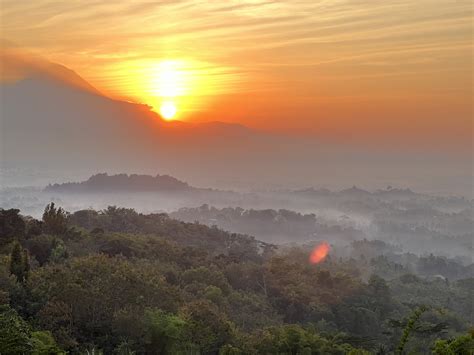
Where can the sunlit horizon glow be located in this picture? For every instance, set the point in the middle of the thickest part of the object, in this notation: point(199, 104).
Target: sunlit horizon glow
point(168, 81)
point(372, 71)
point(189, 83)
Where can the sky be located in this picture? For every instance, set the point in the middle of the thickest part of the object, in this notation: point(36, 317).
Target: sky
point(378, 72)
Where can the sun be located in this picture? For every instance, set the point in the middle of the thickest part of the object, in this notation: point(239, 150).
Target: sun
point(168, 110)
point(174, 87)
point(188, 83)
point(168, 83)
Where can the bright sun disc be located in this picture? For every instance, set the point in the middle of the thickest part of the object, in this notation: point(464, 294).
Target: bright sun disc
point(168, 110)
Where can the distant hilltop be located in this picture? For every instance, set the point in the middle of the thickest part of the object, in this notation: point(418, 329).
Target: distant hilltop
point(355, 191)
point(123, 183)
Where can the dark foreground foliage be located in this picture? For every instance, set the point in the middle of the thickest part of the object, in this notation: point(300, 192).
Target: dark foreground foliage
point(120, 282)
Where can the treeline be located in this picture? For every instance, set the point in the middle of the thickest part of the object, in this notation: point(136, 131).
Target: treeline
point(120, 282)
point(122, 183)
point(268, 224)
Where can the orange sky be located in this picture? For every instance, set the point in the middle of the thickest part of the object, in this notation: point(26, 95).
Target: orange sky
point(351, 69)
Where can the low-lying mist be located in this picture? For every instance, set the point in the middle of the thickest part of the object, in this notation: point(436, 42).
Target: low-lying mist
point(414, 222)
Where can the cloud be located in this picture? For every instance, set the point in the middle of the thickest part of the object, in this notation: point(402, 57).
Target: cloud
point(284, 58)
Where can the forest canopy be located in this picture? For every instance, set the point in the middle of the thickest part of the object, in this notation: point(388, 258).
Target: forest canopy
point(120, 282)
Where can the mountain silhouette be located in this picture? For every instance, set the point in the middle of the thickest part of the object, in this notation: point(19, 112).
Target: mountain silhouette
point(18, 65)
point(52, 119)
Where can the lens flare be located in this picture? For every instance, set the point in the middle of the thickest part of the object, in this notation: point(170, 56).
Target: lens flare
point(319, 253)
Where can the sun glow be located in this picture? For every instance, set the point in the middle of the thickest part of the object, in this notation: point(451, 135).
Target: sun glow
point(169, 79)
point(168, 110)
point(167, 83)
point(175, 88)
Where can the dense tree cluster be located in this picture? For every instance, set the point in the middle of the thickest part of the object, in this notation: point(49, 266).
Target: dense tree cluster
point(120, 282)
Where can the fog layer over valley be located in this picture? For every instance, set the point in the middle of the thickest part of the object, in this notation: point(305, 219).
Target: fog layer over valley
point(414, 222)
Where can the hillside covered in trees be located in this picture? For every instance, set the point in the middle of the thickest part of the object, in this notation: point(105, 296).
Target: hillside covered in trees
point(123, 183)
point(120, 282)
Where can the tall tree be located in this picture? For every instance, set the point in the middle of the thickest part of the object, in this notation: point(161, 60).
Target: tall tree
point(55, 220)
point(26, 264)
point(11, 226)
point(19, 263)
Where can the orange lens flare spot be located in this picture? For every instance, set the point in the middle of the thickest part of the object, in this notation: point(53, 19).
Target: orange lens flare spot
point(319, 253)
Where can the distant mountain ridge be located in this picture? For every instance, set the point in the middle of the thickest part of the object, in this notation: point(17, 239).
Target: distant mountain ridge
point(355, 191)
point(67, 124)
point(122, 183)
point(18, 65)
point(103, 182)
point(54, 121)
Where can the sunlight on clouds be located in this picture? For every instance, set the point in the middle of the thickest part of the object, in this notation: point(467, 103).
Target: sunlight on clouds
point(169, 79)
point(304, 52)
point(188, 83)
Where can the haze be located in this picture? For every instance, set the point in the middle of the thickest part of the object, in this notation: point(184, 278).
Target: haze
point(236, 177)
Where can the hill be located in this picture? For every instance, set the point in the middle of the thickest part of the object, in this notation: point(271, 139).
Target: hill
point(122, 183)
